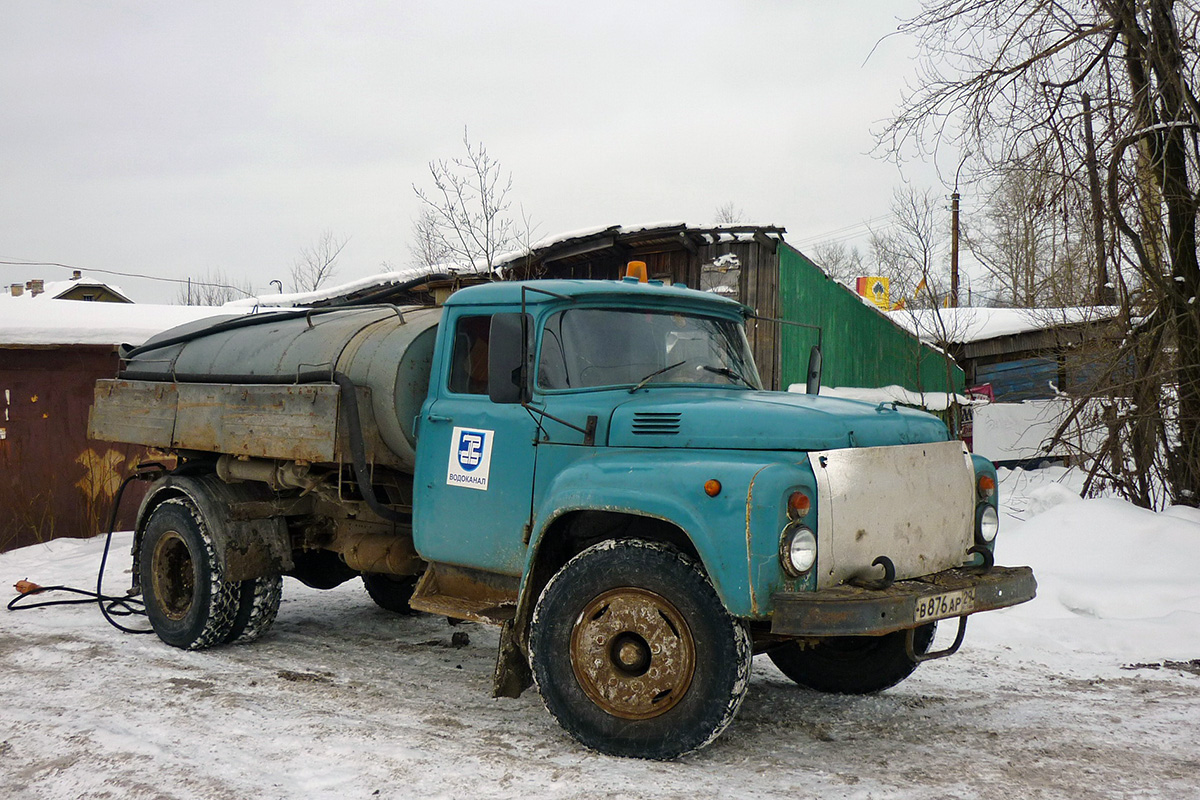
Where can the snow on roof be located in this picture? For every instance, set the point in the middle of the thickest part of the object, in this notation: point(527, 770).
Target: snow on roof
point(583, 233)
point(56, 322)
point(380, 280)
point(301, 299)
point(729, 232)
point(52, 290)
point(963, 325)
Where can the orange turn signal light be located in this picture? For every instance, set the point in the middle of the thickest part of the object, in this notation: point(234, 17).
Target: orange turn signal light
point(798, 505)
point(712, 487)
point(987, 486)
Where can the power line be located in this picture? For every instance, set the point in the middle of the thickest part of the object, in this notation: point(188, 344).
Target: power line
point(192, 281)
point(846, 231)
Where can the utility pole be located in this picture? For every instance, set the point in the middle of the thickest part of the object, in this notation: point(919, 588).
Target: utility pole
point(1105, 296)
point(954, 247)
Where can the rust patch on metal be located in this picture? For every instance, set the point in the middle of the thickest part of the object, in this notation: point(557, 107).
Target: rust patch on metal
point(750, 545)
point(855, 611)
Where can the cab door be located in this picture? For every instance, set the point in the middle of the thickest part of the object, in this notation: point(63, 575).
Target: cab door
point(475, 460)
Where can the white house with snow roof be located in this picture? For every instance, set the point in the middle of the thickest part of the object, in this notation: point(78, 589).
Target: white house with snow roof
point(78, 287)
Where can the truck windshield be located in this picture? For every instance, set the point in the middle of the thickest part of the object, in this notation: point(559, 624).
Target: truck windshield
point(590, 347)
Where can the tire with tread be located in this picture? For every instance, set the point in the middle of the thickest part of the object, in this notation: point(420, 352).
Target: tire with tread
point(391, 592)
point(851, 664)
point(189, 603)
point(634, 653)
point(258, 605)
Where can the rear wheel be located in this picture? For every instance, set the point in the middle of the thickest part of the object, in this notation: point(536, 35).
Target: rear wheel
point(188, 601)
point(635, 655)
point(391, 592)
point(258, 605)
point(851, 664)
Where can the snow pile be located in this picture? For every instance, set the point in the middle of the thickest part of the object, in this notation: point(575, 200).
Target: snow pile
point(1116, 583)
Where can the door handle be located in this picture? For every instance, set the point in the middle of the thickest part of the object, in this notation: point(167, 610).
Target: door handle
point(439, 418)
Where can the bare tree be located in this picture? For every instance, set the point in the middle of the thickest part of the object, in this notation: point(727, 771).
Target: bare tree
point(911, 250)
point(842, 263)
point(728, 213)
point(1033, 237)
point(465, 217)
point(212, 289)
point(317, 263)
point(1010, 78)
point(427, 248)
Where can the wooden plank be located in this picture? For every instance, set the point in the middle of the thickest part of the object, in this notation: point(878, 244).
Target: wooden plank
point(286, 422)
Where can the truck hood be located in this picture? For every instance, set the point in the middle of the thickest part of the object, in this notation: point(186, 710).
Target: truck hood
point(751, 420)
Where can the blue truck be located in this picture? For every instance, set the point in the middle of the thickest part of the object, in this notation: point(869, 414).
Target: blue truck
point(592, 466)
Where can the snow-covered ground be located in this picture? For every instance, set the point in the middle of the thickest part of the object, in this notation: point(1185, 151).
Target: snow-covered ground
point(1090, 691)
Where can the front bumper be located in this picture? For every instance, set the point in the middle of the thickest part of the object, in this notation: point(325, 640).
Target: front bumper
point(855, 611)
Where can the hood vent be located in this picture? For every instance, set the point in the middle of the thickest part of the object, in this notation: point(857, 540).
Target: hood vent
point(656, 423)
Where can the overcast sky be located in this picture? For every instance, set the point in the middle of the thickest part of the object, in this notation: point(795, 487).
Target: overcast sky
point(174, 139)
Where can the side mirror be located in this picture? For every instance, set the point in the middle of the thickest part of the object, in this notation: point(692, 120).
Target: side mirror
point(814, 370)
point(510, 348)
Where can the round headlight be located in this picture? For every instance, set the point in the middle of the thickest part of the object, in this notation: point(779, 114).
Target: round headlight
point(798, 549)
point(987, 523)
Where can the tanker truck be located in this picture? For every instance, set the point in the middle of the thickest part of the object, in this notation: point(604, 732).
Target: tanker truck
point(592, 466)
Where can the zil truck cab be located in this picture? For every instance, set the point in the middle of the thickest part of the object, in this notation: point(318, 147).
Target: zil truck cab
point(594, 466)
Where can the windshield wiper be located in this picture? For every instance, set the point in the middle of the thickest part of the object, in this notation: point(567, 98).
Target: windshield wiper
point(728, 373)
point(655, 374)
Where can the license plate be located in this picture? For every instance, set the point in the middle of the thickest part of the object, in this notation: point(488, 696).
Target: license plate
point(943, 606)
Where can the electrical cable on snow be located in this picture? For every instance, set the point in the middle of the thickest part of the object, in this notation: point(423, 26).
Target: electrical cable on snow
point(111, 606)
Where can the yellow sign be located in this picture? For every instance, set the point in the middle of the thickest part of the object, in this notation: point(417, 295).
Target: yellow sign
point(876, 289)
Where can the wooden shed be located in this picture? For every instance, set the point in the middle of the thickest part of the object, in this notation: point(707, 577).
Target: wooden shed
point(1023, 353)
point(753, 264)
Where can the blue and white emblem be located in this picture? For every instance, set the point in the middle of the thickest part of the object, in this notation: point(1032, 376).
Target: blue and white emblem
point(470, 458)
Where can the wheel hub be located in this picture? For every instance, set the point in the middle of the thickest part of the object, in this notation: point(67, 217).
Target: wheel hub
point(632, 653)
point(173, 575)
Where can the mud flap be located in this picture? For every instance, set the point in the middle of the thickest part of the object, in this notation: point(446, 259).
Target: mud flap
point(513, 675)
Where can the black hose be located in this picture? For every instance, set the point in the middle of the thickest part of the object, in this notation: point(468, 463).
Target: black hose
point(358, 451)
point(110, 605)
point(277, 316)
point(312, 376)
point(228, 325)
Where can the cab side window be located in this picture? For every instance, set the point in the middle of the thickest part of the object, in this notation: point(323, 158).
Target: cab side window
point(469, 361)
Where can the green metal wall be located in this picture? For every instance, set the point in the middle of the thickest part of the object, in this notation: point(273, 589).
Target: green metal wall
point(862, 347)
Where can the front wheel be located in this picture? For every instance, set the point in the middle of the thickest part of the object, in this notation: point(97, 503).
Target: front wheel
point(851, 664)
point(188, 601)
point(635, 655)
